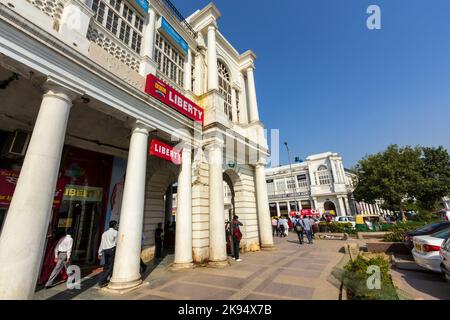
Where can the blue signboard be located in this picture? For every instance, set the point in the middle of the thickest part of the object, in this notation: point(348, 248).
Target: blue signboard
point(143, 4)
point(169, 30)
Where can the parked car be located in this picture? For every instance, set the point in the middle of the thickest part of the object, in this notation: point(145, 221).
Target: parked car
point(445, 259)
point(426, 250)
point(428, 229)
point(346, 219)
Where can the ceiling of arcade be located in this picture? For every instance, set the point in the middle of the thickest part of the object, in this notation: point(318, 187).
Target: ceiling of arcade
point(90, 122)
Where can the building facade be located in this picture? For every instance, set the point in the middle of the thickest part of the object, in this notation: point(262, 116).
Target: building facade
point(105, 106)
point(320, 184)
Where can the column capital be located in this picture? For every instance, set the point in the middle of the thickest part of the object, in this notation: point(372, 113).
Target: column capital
point(53, 87)
point(138, 125)
point(212, 26)
point(213, 143)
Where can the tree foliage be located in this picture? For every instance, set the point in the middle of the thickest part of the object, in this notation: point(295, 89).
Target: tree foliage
point(403, 176)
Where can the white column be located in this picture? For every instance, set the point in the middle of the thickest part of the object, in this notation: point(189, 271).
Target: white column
point(264, 221)
point(148, 45)
point(314, 203)
point(213, 76)
point(188, 71)
point(233, 105)
point(278, 209)
point(25, 228)
point(254, 115)
point(183, 236)
point(128, 250)
point(341, 207)
point(198, 83)
point(217, 241)
point(347, 205)
point(243, 101)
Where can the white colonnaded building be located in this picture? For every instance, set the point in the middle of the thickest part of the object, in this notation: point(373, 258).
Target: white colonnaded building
point(320, 185)
point(105, 106)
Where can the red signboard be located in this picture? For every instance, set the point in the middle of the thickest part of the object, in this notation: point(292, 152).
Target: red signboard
point(164, 151)
point(164, 93)
point(8, 181)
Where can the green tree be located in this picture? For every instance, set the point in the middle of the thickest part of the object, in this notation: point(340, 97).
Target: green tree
point(392, 175)
point(435, 182)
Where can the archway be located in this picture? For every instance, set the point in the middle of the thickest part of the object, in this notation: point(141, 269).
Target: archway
point(161, 179)
point(329, 206)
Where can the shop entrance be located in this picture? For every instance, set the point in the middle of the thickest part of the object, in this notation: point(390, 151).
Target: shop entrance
point(85, 176)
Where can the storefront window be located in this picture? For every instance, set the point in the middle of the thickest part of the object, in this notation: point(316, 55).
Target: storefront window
point(283, 208)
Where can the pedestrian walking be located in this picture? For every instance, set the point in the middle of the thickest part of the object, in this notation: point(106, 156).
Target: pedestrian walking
point(62, 254)
point(159, 234)
point(107, 251)
point(274, 226)
point(307, 227)
point(299, 229)
point(237, 236)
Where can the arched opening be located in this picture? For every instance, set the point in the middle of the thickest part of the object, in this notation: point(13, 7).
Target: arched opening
point(160, 205)
point(329, 207)
point(229, 209)
point(225, 88)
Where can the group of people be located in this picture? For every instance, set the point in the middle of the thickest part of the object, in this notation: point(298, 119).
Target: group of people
point(106, 253)
point(302, 225)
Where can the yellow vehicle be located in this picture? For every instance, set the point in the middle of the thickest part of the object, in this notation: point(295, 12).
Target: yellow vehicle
point(367, 222)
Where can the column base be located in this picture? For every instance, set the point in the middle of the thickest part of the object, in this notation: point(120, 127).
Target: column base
point(124, 291)
point(181, 266)
point(268, 247)
point(120, 286)
point(218, 264)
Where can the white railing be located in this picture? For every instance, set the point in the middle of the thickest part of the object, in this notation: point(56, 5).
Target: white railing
point(53, 8)
point(98, 34)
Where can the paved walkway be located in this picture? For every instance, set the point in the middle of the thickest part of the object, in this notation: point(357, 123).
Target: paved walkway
point(290, 272)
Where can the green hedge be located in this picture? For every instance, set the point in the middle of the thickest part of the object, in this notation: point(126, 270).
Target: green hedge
point(355, 276)
point(398, 231)
point(336, 227)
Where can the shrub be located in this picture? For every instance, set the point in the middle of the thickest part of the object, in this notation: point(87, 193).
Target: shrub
point(336, 227)
point(398, 231)
point(355, 276)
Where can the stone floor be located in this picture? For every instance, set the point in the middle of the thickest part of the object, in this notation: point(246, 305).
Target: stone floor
point(292, 271)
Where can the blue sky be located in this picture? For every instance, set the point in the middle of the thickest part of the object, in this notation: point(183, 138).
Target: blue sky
point(330, 84)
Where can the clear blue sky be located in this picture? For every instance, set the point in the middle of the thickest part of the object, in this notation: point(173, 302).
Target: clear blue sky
point(330, 84)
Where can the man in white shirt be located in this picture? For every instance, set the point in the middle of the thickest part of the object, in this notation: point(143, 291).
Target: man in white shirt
point(63, 251)
point(107, 250)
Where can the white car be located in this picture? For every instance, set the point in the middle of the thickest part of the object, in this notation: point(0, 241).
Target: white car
point(346, 219)
point(426, 250)
point(445, 257)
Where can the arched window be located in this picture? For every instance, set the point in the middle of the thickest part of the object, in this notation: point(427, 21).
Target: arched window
point(225, 88)
point(323, 175)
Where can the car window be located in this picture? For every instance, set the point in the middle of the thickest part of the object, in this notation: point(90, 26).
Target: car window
point(444, 234)
point(430, 227)
point(351, 219)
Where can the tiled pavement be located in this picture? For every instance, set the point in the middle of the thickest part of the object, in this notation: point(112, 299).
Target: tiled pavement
point(292, 271)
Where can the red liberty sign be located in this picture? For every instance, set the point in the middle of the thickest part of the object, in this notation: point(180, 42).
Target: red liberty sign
point(164, 93)
point(164, 151)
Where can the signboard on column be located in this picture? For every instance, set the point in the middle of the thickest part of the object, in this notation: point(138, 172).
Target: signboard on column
point(164, 151)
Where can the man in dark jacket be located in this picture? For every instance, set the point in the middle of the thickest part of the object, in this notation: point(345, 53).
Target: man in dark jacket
point(237, 236)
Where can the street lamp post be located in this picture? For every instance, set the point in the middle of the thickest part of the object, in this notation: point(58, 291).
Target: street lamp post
point(292, 176)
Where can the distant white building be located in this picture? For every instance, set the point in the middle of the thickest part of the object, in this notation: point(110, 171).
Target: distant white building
point(321, 184)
